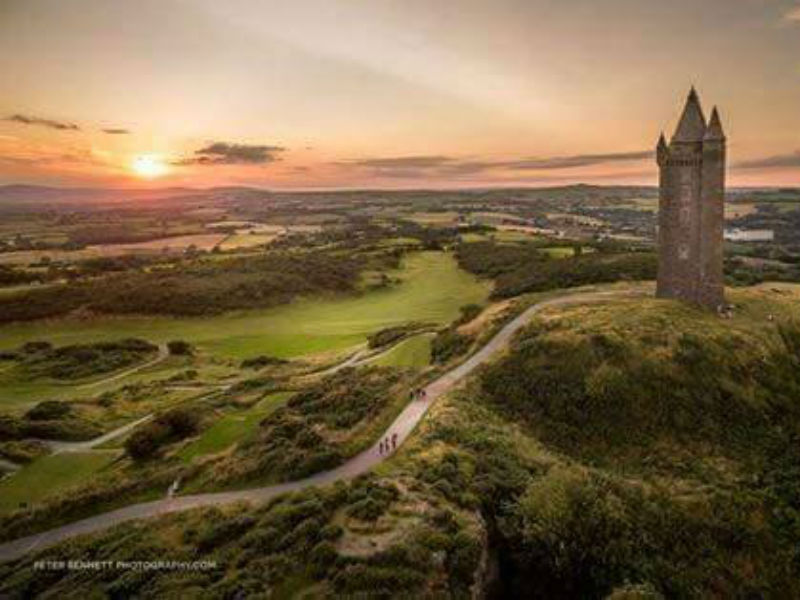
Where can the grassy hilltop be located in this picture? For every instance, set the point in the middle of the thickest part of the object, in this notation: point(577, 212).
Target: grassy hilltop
point(636, 448)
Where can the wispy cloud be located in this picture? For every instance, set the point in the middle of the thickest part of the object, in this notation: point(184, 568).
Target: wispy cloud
point(791, 160)
point(116, 131)
point(223, 153)
point(448, 166)
point(42, 122)
point(793, 15)
point(402, 162)
point(579, 160)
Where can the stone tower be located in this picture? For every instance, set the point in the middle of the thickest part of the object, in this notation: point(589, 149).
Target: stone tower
point(691, 208)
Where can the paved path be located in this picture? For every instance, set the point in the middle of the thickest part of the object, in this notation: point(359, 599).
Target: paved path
point(59, 446)
point(163, 353)
point(403, 425)
point(7, 465)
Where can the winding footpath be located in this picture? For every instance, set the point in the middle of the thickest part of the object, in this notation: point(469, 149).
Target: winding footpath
point(402, 426)
point(163, 353)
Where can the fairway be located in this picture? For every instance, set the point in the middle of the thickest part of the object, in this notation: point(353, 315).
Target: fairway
point(50, 475)
point(432, 288)
point(232, 428)
point(415, 352)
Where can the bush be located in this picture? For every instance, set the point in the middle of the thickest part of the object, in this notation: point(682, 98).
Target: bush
point(83, 360)
point(49, 410)
point(449, 344)
point(468, 313)
point(147, 440)
point(180, 348)
point(145, 443)
point(36, 347)
point(259, 362)
point(389, 335)
point(23, 451)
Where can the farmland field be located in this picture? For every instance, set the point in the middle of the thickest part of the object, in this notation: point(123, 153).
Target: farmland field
point(202, 241)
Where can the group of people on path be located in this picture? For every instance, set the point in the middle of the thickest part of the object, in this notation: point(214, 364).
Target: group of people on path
point(419, 394)
point(389, 444)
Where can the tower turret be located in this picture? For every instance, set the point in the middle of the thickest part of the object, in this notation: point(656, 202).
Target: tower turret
point(662, 151)
point(714, 130)
point(692, 124)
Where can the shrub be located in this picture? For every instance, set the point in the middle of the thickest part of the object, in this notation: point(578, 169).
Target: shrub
point(389, 335)
point(259, 362)
point(23, 451)
point(449, 344)
point(84, 360)
point(36, 346)
point(180, 348)
point(468, 313)
point(49, 410)
point(147, 440)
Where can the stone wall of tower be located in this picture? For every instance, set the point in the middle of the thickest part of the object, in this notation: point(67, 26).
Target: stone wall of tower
point(711, 286)
point(679, 221)
point(691, 210)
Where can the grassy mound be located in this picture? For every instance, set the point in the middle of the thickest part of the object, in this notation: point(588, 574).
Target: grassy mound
point(318, 428)
point(79, 361)
point(641, 374)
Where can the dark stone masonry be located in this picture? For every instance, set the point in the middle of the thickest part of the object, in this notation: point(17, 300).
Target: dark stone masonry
point(691, 209)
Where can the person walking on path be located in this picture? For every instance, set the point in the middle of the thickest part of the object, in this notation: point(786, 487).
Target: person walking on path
point(381, 447)
point(394, 441)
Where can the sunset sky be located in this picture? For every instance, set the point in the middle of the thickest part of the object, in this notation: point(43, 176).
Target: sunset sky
point(388, 93)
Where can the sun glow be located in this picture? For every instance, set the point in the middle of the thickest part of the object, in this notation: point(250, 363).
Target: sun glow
point(149, 166)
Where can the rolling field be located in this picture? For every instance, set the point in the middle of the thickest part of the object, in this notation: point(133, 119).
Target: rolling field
point(432, 288)
point(49, 475)
point(202, 241)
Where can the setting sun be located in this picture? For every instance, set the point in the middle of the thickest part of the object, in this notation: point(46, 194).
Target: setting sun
point(149, 166)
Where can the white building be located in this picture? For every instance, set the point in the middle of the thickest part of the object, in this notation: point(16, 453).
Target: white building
point(749, 235)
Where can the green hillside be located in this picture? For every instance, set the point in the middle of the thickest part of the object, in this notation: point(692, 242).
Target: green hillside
point(636, 448)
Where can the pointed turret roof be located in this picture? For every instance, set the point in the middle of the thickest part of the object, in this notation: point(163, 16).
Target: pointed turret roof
point(692, 126)
point(714, 130)
point(662, 142)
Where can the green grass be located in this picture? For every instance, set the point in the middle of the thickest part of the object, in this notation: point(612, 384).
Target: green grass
point(467, 238)
point(440, 219)
point(414, 352)
point(50, 475)
point(559, 251)
point(512, 236)
point(432, 289)
point(245, 240)
point(18, 392)
point(564, 251)
point(232, 428)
